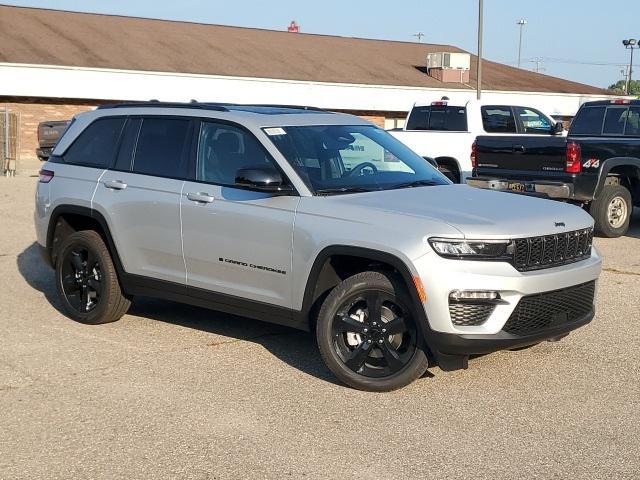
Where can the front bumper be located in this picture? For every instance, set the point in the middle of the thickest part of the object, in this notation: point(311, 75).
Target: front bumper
point(556, 190)
point(441, 276)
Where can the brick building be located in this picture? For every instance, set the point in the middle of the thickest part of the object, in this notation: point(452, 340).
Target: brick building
point(54, 64)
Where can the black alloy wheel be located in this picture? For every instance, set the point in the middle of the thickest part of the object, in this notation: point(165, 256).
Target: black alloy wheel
point(368, 334)
point(81, 279)
point(373, 335)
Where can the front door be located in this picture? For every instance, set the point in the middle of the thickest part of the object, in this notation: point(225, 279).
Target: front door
point(236, 241)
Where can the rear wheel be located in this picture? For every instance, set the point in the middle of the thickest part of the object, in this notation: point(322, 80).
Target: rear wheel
point(612, 211)
point(86, 280)
point(368, 335)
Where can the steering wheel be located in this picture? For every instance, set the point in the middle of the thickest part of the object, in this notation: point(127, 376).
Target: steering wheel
point(357, 170)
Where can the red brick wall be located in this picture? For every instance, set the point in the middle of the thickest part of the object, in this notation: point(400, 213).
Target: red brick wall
point(32, 112)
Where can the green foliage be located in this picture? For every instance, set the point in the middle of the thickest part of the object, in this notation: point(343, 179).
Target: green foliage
point(618, 87)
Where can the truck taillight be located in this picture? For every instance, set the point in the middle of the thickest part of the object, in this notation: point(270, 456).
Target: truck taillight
point(574, 158)
point(474, 154)
point(45, 176)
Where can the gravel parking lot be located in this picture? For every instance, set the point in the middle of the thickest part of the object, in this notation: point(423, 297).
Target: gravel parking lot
point(177, 391)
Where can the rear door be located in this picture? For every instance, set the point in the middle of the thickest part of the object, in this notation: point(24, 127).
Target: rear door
point(496, 149)
point(140, 196)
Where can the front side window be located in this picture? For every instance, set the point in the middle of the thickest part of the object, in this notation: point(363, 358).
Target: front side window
point(343, 158)
point(497, 119)
point(163, 147)
point(223, 149)
point(438, 117)
point(97, 144)
point(588, 121)
point(532, 121)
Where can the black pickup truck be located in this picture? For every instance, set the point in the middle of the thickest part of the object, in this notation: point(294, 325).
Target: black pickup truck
point(597, 165)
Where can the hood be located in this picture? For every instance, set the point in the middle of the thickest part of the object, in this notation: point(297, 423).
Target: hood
point(474, 212)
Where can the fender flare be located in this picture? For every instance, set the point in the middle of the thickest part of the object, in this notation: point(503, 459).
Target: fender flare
point(610, 164)
point(89, 213)
point(368, 254)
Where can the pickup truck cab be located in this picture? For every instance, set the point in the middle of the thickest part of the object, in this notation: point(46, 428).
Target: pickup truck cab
point(445, 131)
point(596, 166)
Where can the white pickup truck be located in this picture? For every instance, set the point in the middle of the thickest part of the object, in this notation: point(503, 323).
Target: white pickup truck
point(446, 132)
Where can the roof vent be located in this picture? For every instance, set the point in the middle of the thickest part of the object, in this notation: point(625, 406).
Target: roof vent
point(449, 67)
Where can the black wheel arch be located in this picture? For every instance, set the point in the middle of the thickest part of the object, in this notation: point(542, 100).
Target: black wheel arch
point(371, 257)
point(69, 217)
point(621, 166)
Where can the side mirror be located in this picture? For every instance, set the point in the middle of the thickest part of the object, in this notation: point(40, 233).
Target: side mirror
point(557, 129)
point(261, 178)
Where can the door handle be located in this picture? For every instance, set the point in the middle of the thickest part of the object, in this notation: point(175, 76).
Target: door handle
point(200, 197)
point(519, 149)
point(115, 184)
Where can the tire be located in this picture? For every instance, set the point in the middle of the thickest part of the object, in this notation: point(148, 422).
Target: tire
point(612, 211)
point(87, 282)
point(361, 349)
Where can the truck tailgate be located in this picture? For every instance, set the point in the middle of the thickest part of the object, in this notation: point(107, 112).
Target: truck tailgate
point(506, 155)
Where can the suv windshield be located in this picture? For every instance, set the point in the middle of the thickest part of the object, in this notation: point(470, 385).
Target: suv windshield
point(341, 159)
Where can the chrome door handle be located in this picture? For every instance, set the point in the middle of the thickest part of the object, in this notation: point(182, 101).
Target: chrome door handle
point(200, 197)
point(115, 184)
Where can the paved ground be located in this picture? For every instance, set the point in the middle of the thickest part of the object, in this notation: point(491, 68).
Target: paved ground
point(179, 392)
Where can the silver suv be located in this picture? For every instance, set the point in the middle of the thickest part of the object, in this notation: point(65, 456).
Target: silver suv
point(311, 219)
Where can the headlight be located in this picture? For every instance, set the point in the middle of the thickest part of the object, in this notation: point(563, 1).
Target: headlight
point(480, 249)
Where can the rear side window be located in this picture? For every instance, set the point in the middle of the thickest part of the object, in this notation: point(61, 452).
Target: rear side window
point(436, 117)
point(163, 147)
point(614, 121)
point(633, 122)
point(97, 144)
point(588, 121)
point(498, 119)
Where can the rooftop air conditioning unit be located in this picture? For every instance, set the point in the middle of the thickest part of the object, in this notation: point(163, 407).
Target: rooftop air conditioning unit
point(449, 67)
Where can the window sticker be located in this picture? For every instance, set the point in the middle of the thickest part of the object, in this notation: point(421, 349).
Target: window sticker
point(274, 131)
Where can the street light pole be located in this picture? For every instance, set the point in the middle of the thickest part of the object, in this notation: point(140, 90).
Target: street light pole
point(479, 59)
point(630, 44)
point(522, 22)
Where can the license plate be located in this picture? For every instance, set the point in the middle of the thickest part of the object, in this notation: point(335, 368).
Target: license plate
point(516, 187)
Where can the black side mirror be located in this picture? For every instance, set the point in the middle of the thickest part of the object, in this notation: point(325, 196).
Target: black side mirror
point(265, 179)
point(557, 129)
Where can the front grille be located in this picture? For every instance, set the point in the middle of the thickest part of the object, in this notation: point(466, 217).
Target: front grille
point(469, 314)
point(548, 251)
point(550, 309)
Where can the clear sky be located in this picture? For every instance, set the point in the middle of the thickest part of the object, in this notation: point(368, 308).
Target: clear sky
point(576, 39)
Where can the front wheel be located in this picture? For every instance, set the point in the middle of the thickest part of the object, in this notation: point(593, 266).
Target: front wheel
point(612, 211)
point(368, 335)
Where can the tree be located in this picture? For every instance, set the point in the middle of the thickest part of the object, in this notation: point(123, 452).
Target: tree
point(618, 87)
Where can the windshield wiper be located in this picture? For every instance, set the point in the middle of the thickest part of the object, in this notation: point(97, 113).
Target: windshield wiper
point(329, 191)
point(417, 183)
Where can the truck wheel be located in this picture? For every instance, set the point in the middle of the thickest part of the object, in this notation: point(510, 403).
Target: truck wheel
point(87, 282)
point(612, 211)
point(368, 335)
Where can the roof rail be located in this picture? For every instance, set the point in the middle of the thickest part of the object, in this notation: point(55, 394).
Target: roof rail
point(275, 105)
point(158, 104)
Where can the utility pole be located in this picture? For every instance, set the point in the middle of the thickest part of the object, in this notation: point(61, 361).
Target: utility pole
point(419, 36)
point(630, 44)
point(479, 59)
point(522, 22)
point(538, 61)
